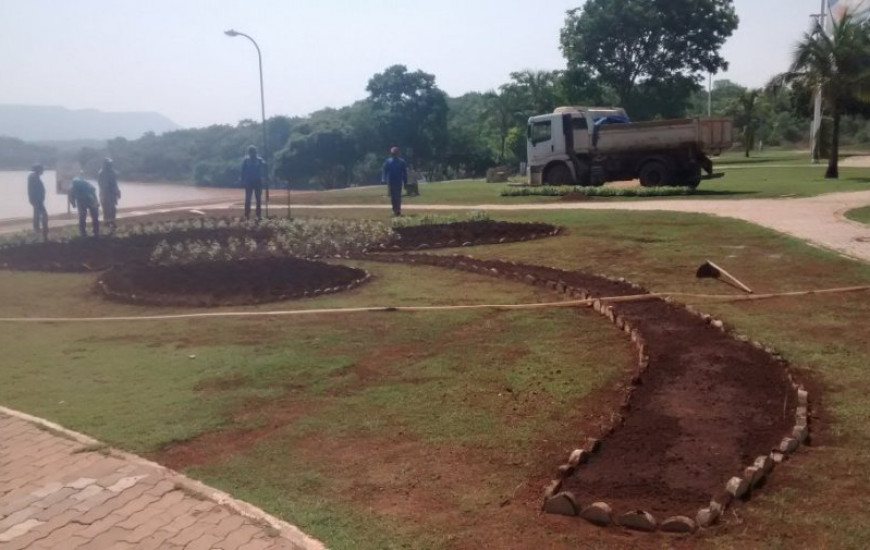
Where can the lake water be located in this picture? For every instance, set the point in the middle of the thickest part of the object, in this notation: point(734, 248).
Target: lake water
point(13, 186)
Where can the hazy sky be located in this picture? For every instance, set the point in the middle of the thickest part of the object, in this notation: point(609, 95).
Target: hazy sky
point(172, 56)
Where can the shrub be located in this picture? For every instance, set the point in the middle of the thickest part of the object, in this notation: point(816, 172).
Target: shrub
point(549, 191)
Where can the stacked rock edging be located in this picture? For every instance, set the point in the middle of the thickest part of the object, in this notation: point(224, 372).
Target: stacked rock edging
point(639, 317)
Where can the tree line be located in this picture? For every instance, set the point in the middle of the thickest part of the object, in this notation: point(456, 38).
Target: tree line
point(649, 56)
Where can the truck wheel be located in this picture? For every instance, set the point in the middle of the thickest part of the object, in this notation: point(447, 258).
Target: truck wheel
point(558, 174)
point(584, 173)
point(694, 177)
point(654, 174)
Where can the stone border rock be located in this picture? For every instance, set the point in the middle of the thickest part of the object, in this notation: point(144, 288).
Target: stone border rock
point(555, 500)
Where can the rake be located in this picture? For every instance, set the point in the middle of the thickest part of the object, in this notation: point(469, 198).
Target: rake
point(710, 270)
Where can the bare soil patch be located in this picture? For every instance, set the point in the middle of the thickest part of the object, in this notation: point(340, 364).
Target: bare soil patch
point(215, 446)
point(212, 284)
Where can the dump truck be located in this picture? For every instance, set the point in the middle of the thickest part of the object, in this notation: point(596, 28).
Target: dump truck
point(595, 145)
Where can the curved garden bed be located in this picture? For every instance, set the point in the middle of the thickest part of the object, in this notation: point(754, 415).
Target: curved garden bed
point(466, 233)
point(79, 255)
point(703, 419)
point(239, 282)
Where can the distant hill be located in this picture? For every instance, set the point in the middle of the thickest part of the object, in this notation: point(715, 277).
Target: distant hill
point(38, 123)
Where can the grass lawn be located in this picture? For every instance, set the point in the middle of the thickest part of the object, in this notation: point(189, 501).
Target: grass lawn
point(438, 430)
point(763, 175)
point(322, 419)
point(860, 215)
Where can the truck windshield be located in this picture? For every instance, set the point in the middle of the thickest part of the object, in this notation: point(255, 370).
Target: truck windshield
point(540, 131)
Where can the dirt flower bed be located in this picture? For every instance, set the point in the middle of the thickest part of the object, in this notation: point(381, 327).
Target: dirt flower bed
point(88, 254)
point(255, 276)
point(465, 233)
point(191, 241)
point(702, 408)
point(212, 284)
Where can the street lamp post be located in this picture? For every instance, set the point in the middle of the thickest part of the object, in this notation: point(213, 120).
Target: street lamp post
point(233, 32)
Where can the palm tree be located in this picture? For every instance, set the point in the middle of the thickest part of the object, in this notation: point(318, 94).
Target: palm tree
point(837, 63)
point(744, 109)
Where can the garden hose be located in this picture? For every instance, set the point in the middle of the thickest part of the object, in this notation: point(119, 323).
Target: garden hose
point(379, 309)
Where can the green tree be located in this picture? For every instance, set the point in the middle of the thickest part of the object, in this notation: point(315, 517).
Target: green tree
point(504, 112)
point(839, 65)
point(323, 157)
point(723, 95)
point(278, 129)
point(745, 111)
point(534, 92)
point(629, 45)
point(579, 87)
point(411, 111)
point(16, 154)
point(469, 151)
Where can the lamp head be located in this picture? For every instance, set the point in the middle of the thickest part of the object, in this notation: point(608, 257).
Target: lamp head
point(231, 32)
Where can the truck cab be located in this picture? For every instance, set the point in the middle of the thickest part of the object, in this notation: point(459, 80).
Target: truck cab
point(552, 138)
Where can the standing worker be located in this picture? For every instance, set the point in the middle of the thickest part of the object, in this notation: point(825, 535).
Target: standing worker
point(109, 192)
point(253, 174)
point(83, 195)
point(36, 196)
point(395, 175)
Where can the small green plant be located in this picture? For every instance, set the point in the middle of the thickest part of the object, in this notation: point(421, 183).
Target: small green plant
point(313, 238)
point(440, 219)
point(22, 238)
point(479, 216)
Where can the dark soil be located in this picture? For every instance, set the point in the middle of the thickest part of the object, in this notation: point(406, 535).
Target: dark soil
point(704, 409)
point(464, 233)
point(706, 406)
point(209, 284)
point(97, 254)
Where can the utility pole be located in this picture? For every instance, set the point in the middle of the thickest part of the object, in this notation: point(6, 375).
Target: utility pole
point(815, 128)
point(709, 94)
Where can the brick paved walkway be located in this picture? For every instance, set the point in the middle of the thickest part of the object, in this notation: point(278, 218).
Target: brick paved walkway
point(59, 489)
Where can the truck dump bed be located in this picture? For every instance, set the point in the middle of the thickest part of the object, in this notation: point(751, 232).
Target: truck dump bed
point(712, 135)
